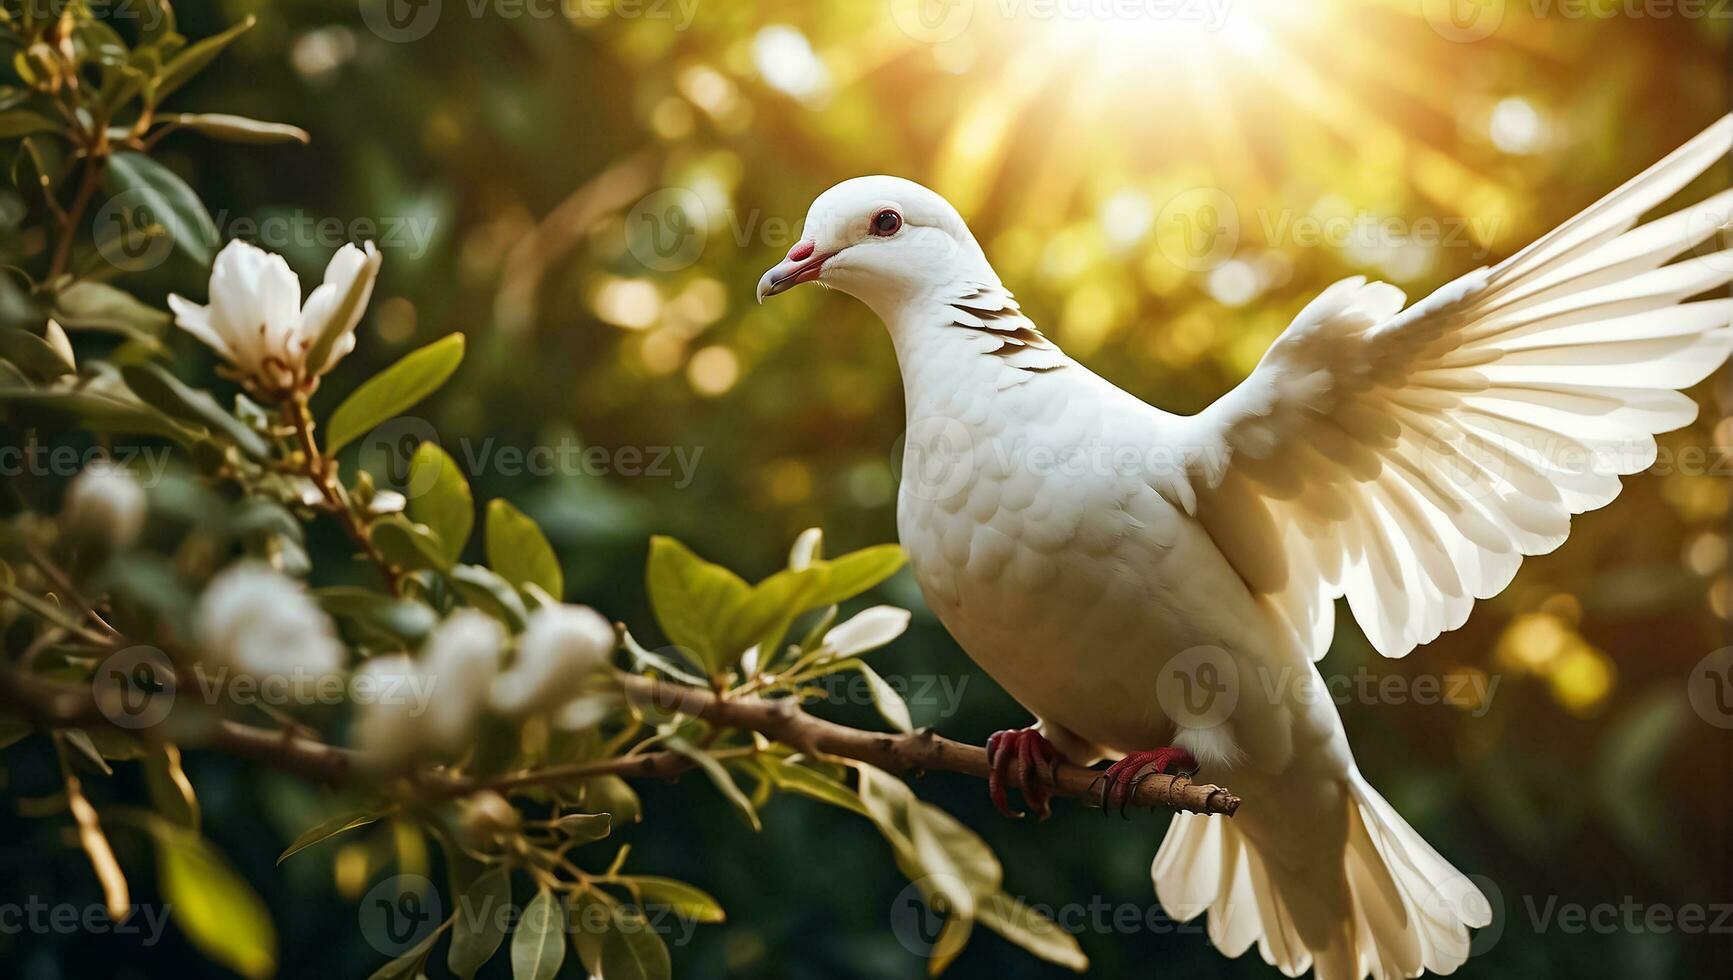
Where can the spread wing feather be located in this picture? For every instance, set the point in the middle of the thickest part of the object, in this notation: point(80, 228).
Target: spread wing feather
point(1409, 459)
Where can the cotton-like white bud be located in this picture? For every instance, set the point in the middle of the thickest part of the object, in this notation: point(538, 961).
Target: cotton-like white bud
point(389, 694)
point(560, 648)
point(260, 623)
point(105, 504)
point(868, 630)
point(459, 663)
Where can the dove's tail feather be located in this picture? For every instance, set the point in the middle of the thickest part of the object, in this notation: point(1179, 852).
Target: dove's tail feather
point(1409, 910)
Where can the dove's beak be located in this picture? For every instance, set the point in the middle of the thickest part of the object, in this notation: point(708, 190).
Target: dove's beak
point(802, 265)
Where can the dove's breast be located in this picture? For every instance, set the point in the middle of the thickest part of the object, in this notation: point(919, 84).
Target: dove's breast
point(1034, 534)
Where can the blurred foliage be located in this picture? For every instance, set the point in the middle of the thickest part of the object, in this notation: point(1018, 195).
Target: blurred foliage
point(512, 155)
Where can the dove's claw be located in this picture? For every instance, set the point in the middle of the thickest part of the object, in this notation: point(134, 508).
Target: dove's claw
point(1027, 757)
point(1123, 777)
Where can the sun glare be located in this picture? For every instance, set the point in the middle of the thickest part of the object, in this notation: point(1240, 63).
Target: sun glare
point(1146, 32)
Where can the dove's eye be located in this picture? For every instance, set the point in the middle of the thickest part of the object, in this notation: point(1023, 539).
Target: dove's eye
point(887, 223)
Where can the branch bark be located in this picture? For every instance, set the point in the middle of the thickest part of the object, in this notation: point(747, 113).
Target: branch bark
point(785, 721)
point(54, 705)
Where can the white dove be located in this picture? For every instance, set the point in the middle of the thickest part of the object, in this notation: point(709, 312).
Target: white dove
point(1108, 562)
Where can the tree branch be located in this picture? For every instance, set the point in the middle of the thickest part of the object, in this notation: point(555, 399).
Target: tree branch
point(785, 721)
point(52, 705)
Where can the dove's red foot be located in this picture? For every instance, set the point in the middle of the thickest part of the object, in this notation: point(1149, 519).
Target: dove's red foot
point(1119, 782)
point(1026, 755)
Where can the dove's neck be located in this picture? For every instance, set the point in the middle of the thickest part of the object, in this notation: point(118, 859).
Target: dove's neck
point(962, 338)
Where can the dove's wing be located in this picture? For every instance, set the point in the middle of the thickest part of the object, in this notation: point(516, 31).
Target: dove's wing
point(1409, 460)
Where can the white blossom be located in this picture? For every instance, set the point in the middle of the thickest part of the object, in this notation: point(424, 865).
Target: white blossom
point(257, 323)
point(387, 726)
point(868, 630)
point(263, 624)
point(560, 648)
point(806, 548)
point(104, 503)
point(459, 662)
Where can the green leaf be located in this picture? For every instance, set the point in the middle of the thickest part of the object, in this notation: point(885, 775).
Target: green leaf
point(409, 545)
point(80, 739)
point(889, 703)
point(796, 778)
point(34, 356)
point(953, 868)
point(166, 200)
point(632, 950)
point(719, 776)
point(22, 122)
point(394, 390)
point(539, 945)
point(170, 791)
point(90, 305)
point(766, 614)
point(156, 387)
point(1031, 930)
point(519, 552)
point(240, 129)
point(439, 497)
point(585, 828)
point(327, 829)
point(213, 905)
point(588, 920)
point(193, 60)
point(411, 965)
point(672, 666)
point(856, 572)
point(479, 926)
point(687, 901)
point(402, 619)
point(614, 796)
point(491, 594)
point(691, 598)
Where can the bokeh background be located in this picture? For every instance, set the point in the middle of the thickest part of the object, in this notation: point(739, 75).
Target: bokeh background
point(589, 189)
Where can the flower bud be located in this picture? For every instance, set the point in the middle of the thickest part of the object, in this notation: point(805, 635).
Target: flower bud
point(388, 719)
point(560, 648)
point(459, 662)
point(484, 816)
point(263, 624)
point(105, 504)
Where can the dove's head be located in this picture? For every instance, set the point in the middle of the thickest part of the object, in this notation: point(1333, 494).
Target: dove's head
point(883, 240)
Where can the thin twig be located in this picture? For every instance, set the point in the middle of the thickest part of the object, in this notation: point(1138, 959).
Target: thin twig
point(55, 705)
point(319, 470)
